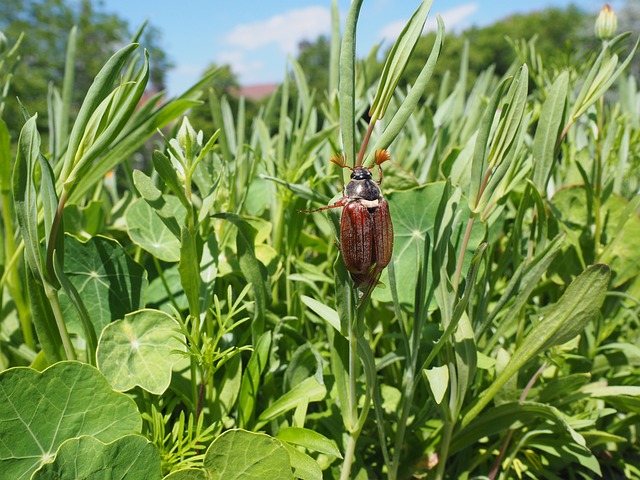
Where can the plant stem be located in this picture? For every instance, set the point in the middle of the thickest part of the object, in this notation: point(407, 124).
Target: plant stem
point(365, 142)
point(444, 452)
point(463, 250)
point(597, 188)
point(349, 456)
point(52, 296)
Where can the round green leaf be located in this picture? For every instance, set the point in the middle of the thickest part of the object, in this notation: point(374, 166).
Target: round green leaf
point(131, 457)
point(110, 283)
point(413, 213)
point(140, 350)
point(39, 411)
point(243, 455)
point(187, 474)
point(147, 230)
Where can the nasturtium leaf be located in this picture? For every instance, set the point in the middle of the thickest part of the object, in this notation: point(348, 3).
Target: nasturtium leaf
point(84, 221)
point(131, 457)
point(140, 350)
point(413, 213)
point(147, 230)
point(110, 283)
point(187, 474)
point(39, 411)
point(243, 455)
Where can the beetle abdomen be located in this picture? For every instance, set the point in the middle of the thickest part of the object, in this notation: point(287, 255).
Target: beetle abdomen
point(366, 240)
point(356, 242)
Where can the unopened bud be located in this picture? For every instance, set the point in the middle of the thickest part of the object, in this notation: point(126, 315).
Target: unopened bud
point(606, 23)
point(188, 139)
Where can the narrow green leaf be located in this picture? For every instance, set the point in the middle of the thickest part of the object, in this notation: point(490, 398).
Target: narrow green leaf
point(5, 158)
point(548, 130)
point(169, 175)
point(114, 112)
point(130, 140)
point(346, 90)
point(189, 269)
point(43, 320)
point(325, 312)
point(309, 390)
point(600, 78)
point(99, 90)
point(578, 305)
point(251, 268)
point(251, 380)
point(67, 89)
point(398, 58)
point(25, 196)
point(309, 439)
point(503, 417)
point(480, 152)
point(410, 102)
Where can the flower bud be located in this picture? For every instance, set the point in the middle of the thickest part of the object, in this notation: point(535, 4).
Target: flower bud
point(606, 23)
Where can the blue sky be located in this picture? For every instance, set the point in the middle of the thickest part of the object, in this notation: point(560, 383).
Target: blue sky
point(256, 36)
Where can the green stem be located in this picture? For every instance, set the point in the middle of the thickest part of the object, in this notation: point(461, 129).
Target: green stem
point(356, 320)
point(463, 250)
point(597, 188)
point(52, 296)
point(444, 452)
point(349, 456)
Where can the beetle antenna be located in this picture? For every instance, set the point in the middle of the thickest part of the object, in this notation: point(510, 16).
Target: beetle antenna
point(339, 159)
point(381, 156)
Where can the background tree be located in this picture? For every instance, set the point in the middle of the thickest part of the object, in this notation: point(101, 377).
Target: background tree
point(46, 25)
point(313, 57)
point(559, 34)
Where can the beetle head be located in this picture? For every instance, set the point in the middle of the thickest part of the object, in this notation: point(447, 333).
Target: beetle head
point(361, 173)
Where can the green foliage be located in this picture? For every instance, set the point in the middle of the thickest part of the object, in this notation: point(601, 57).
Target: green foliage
point(44, 51)
point(228, 337)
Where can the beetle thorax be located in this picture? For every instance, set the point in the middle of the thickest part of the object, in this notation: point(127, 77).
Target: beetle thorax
point(362, 186)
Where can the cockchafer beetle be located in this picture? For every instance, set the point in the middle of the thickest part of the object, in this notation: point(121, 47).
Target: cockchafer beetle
point(366, 231)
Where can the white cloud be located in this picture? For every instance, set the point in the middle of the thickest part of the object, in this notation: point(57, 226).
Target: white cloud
point(239, 64)
point(285, 30)
point(451, 18)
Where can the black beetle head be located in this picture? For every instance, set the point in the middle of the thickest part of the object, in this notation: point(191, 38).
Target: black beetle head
point(361, 173)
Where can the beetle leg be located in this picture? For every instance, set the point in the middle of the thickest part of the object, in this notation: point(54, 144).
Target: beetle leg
point(340, 203)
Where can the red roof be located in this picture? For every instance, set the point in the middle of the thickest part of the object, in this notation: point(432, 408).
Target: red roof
point(257, 92)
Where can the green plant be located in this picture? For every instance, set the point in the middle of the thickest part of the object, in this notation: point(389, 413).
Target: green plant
point(187, 322)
